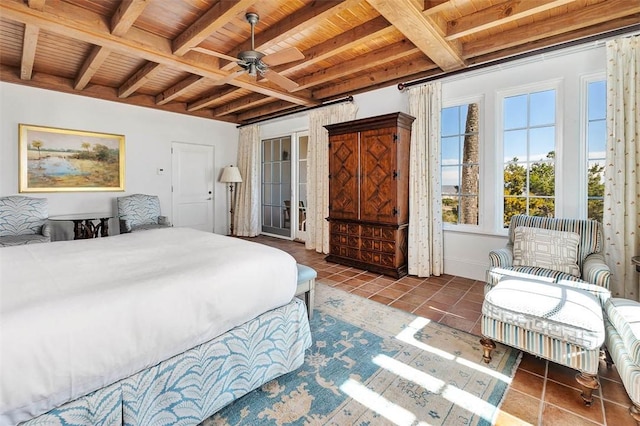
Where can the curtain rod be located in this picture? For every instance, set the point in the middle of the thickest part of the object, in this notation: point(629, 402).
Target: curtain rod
point(260, 120)
point(596, 37)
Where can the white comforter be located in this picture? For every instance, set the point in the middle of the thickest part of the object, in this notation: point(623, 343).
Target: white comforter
point(78, 315)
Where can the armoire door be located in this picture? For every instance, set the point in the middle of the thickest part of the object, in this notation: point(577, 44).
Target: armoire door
point(343, 175)
point(379, 172)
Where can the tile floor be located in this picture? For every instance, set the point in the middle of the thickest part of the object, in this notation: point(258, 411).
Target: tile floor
point(541, 393)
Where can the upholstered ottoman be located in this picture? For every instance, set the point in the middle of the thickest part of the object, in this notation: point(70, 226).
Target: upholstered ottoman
point(306, 285)
point(622, 329)
point(556, 322)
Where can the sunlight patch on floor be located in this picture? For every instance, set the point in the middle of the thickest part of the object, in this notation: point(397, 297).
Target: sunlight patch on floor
point(389, 410)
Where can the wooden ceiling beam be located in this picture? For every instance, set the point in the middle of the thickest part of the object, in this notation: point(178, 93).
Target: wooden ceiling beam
point(178, 89)
point(375, 28)
point(29, 44)
point(81, 24)
point(213, 99)
point(422, 31)
point(214, 19)
point(497, 15)
point(377, 57)
point(121, 21)
point(584, 17)
point(36, 4)
point(291, 25)
point(264, 111)
point(139, 79)
point(376, 78)
point(244, 103)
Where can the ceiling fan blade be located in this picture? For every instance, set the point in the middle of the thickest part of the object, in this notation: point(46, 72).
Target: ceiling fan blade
point(280, 80)
point(289, 54)
point(228, 78)
point(214, 53)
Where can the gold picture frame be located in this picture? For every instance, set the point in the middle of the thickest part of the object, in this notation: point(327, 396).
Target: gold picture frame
point(63, 160)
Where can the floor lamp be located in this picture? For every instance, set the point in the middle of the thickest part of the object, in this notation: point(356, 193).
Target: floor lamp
point(231, 175)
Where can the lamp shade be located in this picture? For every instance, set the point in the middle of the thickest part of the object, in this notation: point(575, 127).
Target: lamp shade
point(231, 174)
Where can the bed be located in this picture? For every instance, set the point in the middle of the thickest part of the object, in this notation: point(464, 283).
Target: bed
point(162, 326)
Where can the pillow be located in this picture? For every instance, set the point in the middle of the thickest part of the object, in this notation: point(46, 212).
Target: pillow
point(546, 248)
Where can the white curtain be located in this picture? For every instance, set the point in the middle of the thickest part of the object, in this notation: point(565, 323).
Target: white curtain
point(318, 171)
point(247, 205)
point(425, 205)
point(622, 174)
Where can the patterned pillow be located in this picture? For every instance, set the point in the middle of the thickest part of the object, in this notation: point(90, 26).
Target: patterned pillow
point(22, 215)
point(546, 248)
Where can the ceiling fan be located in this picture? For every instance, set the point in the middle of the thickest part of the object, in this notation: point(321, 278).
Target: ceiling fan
point(253, 62)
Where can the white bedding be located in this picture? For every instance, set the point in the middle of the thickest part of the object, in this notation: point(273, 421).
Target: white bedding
point(78, 315)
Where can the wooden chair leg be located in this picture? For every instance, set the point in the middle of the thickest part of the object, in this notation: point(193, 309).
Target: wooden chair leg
point(607, 357)
point(589, 383)
point(487, 346)
point(635, 413)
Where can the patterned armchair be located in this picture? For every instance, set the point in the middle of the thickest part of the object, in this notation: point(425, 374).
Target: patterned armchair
point(589, 272)
point(23, 220)
point(139, 212)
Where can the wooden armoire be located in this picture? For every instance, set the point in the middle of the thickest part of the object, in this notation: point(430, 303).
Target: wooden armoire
point(369, 193)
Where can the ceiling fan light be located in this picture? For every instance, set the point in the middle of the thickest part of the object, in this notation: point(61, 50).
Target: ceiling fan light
point(252, 70)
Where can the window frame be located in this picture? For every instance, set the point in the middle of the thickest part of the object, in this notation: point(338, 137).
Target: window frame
point(480, 100)
point(583, 168)
point(541, 86)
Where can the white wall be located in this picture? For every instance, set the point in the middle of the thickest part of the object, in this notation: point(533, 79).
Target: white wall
point(148, 137)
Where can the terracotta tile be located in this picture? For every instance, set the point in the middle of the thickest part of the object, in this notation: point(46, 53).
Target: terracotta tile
point(373, 286)
point(399, 286)
point(476, 330)
point(458, 286)
point(475, 298)
point(385, 281)
point(555, 416)
point(414, 299)
point(528, 383)
point(405, 306)
point(618, 415)
point(465, 314)
point(448, 300)
point(437, 306)
point(424, 292)
point(428, 312)
point(363, 292)
point(435, 281)
point(569, 398)
point(562, 374)
point(366, 277)
point(533, 364)
point(468, 306)
point(519, 406)
point(391, 293)
point(610, 373)
point(411, 281)
point(614, 392)
point(452, 291)
point(381, 299)
point(344, 287)
point(349, 273)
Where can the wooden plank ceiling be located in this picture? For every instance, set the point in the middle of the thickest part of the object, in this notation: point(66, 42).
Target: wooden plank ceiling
point(178, 55)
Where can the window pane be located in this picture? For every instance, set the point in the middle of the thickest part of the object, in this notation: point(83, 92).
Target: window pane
point(597, 100)
point(515, 145)
point(266, 177)
point(450, 179)
point(303, 147)
point(542, 178)
point(597, 139)
point(515, 112)
point(266, 216)
point(449, 121)
point(285, 149)
point(470, 180)
point(513, 206)
point(596, 178)
point(595, 209)
point(286, 172)
point(542, 108)
point(542, 143)
point(542, 207)
point(469, 210)
point(266, 151)
point(515, 179)
point(450, 150)
point(450, 209)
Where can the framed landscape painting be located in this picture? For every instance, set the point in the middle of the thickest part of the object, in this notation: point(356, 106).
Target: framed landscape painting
point(62, 160)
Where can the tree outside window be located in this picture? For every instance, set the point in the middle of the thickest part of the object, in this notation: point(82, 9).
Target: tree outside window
point(460, 164)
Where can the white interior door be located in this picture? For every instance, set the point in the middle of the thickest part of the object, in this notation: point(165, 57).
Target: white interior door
point(193, 184)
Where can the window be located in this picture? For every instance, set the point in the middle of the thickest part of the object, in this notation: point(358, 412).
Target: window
point(596, 143)
point(529, 146)
point(460, 164)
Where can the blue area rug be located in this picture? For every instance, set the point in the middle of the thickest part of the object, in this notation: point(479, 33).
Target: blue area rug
point(371, 364)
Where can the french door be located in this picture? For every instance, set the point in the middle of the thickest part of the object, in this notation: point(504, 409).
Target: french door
point(284, 185)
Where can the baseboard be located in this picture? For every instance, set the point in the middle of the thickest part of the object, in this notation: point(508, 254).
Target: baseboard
point(465, 268)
